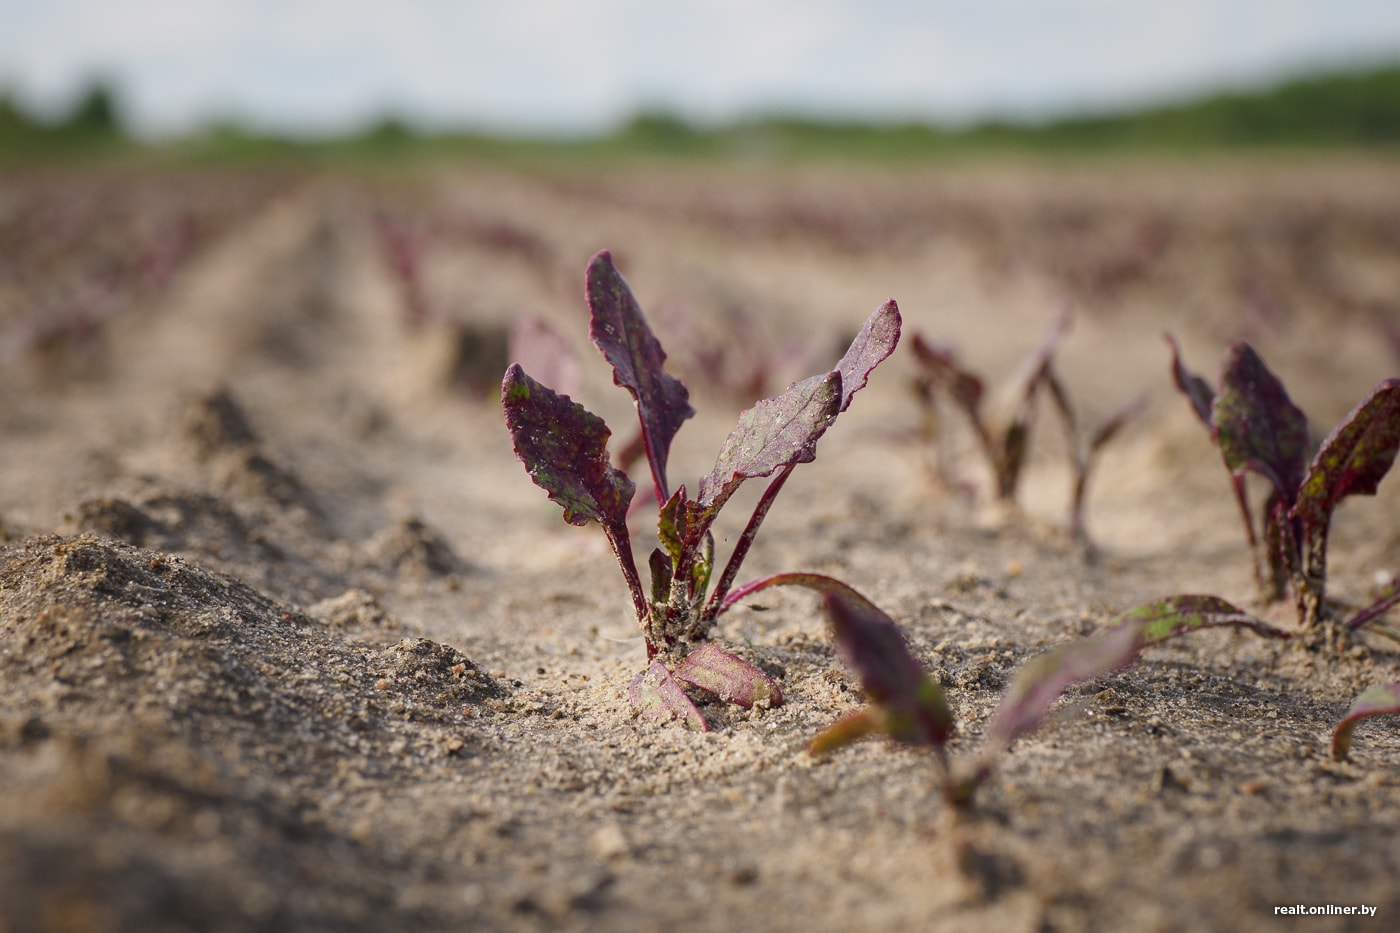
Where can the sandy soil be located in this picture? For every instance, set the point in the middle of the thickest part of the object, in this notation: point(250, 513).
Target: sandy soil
point(288, 640)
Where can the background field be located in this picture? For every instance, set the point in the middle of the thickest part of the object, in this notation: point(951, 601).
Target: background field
point(289, 640)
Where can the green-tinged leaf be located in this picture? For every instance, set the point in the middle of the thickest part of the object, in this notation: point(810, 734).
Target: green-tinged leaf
point(657, 695)
point(872, 346)
point(619, 330)
point(1381, 700)
point(565, 449)
point(773, 434)
point(1178, 615)
point(702, 564)
point(849, 728)
point(728, 677)
point(1039, 683)
point(1257, 426)
point(1197, 391)
point(1351, 461)
point(671, 523)
point(660, 564)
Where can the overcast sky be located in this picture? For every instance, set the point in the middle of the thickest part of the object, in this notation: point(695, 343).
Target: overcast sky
point(562, 66)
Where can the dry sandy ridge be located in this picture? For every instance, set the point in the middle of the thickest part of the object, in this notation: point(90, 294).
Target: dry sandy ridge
point(289, 641)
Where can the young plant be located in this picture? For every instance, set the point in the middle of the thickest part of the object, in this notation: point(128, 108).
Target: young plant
point(564, 448)
point(1259, 430)
point(1180, 615)
point(908, 706)
point(1004, 448)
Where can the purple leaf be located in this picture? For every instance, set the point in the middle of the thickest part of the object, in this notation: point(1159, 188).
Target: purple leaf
point(1257, 426)
point(777, 434)
point(1197, 391)
point(1381, 700)
point(941, 366)
point(619, 330)
point(1355, 456)
point(1040, 682)
point(539, 349)
point(872, 346)
point(1178, 615)
point(657, 695)
point(728, 677)
point(1202, 398)
point(1352, 461)
point(565, 448)
point(913, 706)
point(773, 434)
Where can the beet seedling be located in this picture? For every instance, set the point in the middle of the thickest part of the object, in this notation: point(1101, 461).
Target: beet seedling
point(1258, 429)
point(1004, 448)
point(1180, 615)
point(907, 705)
point(564, 448)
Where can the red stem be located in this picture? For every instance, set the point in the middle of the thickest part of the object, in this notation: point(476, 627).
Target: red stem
point(814, 581)
point(717, 602)
point(622, 549)
point(1259, 560)
point(1376, 609)
point(658, 475)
